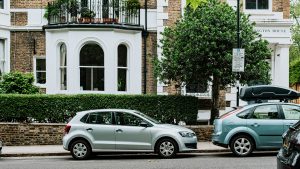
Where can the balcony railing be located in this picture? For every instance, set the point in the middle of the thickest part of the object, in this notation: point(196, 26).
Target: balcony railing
point(93, 12)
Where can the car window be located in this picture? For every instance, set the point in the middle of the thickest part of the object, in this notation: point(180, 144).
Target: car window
point(244, 114)
point(265, 112)
point(291, 112)
point(99, 118)
point(127, 119)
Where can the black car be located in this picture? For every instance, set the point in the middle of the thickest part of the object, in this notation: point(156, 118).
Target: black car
point(289, 154)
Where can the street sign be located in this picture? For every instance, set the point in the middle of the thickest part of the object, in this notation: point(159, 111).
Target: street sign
point(238, 60)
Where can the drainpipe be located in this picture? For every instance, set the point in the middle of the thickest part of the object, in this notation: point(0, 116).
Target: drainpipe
point(145, 34)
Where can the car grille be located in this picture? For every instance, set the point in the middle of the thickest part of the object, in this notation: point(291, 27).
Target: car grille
point(191, 145)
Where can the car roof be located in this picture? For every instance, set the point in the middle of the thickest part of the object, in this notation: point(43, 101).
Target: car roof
point(104, 110)
point(269, 103)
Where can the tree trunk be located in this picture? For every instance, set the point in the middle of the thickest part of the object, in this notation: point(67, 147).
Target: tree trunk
point(215, 99)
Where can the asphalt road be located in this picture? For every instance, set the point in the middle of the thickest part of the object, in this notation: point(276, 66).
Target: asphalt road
point(144, 161)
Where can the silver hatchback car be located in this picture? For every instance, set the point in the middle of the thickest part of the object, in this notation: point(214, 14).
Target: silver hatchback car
point(119, 130)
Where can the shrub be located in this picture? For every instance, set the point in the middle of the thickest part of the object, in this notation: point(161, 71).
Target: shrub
point(55, 108)
point(18, 83)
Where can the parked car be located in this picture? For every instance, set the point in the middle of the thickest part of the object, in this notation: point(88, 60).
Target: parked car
point(118, 130)
point(289, 154)
point(255, 127)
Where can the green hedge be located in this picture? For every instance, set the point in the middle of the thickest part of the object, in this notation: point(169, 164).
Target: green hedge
point(56, 108)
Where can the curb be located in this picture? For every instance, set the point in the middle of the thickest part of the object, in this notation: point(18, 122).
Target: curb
point(68, 153)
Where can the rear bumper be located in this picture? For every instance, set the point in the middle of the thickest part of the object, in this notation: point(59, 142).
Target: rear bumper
point(219, 144)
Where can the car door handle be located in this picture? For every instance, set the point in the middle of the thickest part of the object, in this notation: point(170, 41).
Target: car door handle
point(255, 125)
point(119, 131)
point(89, 129)
point(289, 124)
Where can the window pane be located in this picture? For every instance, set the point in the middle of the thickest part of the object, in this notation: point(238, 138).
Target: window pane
point(100, 118)
point(122, 79)
point(91, 55)
point(127, 119)
point(196, 88)
point(41, 77)
point(41, 64)
point(1, 4)
point(266, 112)
point(63, 55)
point(98, 79)
point(85, 79)
point(291, 112)
point(250, 4)
point(2, 56)
point(263, 4)
point(63, 76)
point(122, 56)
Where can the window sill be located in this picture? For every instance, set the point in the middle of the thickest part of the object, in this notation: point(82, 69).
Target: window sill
point(4, 11)
point(40, 85)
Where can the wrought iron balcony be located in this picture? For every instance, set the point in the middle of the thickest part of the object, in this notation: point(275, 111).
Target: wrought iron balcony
point(123, 12)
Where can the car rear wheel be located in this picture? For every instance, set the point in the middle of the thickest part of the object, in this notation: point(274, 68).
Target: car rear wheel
point(166, 148)
point(242, 145)
point(80, 150)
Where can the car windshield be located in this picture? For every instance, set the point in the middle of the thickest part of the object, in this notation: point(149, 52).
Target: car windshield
point(147, 117)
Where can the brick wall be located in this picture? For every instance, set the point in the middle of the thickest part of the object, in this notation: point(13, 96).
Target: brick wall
point(18, 18)
point(13, 134)
point(17, 134)
point(174, 12)
point(28, 4)
point(151, 4)
point(24, 48)
point(282, 6)
point(151, 54)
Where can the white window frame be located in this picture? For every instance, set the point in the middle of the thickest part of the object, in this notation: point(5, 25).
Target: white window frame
point(2, 57)
point(63, 67)
point(35, 71)
point(258, 11)
point(124, 68)
point(4, 5)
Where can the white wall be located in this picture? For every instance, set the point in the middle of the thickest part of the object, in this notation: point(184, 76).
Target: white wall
point(109, 39)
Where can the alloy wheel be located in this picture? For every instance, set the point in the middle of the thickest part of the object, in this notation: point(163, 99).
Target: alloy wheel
point(167, 148)
point(242, 146)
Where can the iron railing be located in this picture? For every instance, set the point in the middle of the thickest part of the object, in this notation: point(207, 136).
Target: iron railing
point(93, 12)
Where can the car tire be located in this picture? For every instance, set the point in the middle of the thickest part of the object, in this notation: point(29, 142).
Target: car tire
point(166, 148)
point(242, 145)
point(80, 150)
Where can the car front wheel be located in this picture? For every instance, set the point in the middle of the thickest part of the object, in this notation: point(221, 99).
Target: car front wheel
point(166, 148)
point(80, 150)
point(242, 145)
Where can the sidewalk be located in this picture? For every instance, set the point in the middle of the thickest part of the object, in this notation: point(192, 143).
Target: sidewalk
point(57, 150)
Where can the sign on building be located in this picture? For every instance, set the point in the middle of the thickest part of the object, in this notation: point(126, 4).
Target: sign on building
point(238, 60)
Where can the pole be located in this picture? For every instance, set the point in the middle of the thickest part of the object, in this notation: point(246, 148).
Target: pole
point(238, 46)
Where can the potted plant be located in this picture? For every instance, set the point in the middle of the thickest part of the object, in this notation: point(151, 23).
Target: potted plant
point(73, 10)
point(131, 10)
point(52, 11)
point(87, 16)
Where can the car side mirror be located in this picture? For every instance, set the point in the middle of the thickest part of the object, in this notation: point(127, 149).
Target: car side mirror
point(144, 124)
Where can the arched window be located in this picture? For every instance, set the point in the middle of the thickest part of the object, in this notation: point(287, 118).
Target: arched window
point(122, 68)
point(92, 68)
point(63, 67)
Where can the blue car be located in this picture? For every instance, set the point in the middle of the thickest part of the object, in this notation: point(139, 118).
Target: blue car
point(255, 127)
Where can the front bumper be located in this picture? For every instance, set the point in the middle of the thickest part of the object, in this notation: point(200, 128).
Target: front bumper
point(290, 162)
point(0, 147)
point(188, 144)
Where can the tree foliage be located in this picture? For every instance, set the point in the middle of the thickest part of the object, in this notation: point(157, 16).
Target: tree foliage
point(18, 83)
point(295, 47)
point(199, 49)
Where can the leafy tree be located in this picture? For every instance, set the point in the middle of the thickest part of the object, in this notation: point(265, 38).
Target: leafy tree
point(295, 48)
point(199, 49)
point(18, 83)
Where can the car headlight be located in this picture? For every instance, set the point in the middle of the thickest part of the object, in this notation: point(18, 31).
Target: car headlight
point(187, 134)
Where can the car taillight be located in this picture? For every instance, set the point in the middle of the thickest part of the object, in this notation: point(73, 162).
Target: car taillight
point(67, 129)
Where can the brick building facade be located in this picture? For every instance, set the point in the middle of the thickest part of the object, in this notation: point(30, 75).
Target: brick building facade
point(30, 44)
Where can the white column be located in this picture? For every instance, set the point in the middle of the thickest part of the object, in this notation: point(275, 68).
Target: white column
point(283, 74)
point(50, 65)
point(73, 55)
